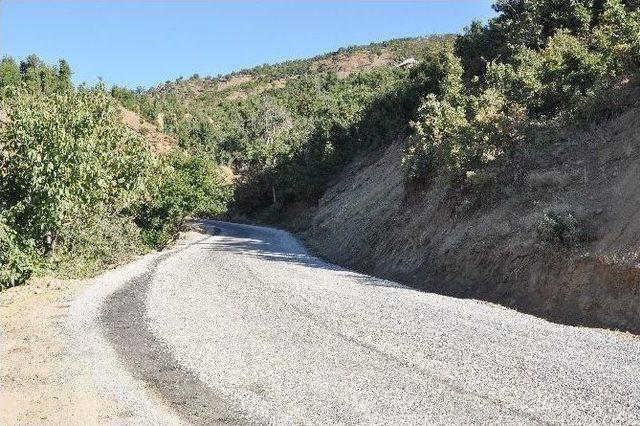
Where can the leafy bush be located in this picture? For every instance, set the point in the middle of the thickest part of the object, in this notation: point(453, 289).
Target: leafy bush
point(66, 157)
point(556, 78)
point(456, 135)
point(184, 186)
point(98, 243)
point(558, 228)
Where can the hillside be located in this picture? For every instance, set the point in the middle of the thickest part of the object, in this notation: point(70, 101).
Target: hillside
point(343, 62)
point(305, 118)
point(499, 166)
point(513, 178)
point(496, 244)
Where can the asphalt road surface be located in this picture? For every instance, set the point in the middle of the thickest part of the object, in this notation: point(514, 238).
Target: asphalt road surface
point(245, 327)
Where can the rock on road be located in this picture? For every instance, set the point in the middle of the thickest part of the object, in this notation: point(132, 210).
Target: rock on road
point(245, 327)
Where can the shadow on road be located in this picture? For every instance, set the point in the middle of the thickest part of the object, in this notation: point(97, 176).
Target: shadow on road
point(277, 246)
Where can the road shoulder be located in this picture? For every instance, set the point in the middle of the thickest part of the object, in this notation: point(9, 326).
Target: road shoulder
point(55, 366)
point(41, 380)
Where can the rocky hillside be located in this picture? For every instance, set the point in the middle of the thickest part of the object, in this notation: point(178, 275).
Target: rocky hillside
point(343, 62)
point(554, 233)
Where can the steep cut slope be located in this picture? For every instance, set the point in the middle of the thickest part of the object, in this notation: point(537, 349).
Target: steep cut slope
point(555, 233)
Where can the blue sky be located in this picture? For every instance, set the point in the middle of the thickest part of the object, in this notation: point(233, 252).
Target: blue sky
point(144, 43)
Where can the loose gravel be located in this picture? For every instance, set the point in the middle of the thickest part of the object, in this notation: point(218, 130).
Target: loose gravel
point(137, 402)
point(282, 337)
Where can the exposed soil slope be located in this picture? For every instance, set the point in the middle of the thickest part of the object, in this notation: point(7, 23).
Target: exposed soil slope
point(160, 142)
point(488, 244)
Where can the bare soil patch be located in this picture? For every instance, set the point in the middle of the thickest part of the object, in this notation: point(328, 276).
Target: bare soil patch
point(41, 383)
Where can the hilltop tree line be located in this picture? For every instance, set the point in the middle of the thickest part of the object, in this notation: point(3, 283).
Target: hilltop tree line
point(34, 75)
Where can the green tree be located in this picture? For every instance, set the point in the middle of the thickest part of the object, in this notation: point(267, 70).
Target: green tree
point(64, 75)
point(184, 186)
point(9, 74)
point(65, 157)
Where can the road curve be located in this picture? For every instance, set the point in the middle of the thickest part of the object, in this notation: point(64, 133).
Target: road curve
point(245, 327)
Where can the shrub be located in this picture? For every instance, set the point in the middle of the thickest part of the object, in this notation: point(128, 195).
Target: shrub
point(185, 185)
point(617, 38)
point(454, 139)
point(17, 259)
point(98, 243)
point(558, 228)
point(73, 178)
point(438, 139)
point(66, 157)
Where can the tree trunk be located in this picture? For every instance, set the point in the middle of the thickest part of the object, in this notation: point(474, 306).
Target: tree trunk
point(50, 241)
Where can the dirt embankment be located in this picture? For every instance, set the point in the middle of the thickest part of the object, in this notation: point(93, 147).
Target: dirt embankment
point(555, 233)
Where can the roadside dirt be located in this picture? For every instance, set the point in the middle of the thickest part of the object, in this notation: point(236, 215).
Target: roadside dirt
point(40, 383)
point(42, 380)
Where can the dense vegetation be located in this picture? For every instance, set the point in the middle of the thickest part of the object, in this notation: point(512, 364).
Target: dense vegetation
point(286, 129)
point(535, 63)
point(79, 190)
point(77, 185)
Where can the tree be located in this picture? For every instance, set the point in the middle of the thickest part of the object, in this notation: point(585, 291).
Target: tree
point(65, 157)
point(64, 75)
point(31, 63)
point(9, 73)
point(184, 186)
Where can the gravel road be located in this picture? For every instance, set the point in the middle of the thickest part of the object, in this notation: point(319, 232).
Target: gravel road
point(245, 327)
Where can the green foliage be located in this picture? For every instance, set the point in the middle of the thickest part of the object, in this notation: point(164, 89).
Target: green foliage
point(558, 228)
point(286, 129)
point(16, 258)
point(33, 76)
point(537, 60)
point(553, 79)
point(9, 74)
point(455, 139)
point(97, 243)
point(79, 191)
point(456, 132)
point(66, 157)
point(184, 186)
